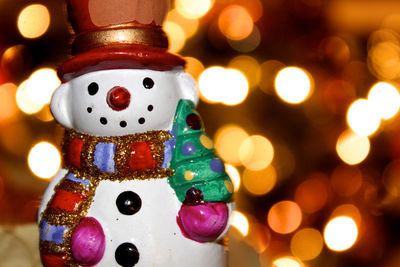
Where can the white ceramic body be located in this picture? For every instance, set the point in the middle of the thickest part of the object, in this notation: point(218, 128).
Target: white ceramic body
point(154, 229)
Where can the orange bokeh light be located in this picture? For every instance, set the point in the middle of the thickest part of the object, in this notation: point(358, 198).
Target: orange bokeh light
point(235, 22)
point(312, 194)
point(346, 180)
point(284, 217)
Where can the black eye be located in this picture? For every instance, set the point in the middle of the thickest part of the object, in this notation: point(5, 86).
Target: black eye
point(148, 83)
point(93, 88)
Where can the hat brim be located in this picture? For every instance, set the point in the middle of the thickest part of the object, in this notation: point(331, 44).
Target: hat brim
point(119, 57)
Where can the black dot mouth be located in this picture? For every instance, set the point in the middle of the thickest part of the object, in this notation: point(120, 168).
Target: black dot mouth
point(142, 120)
point(89, 110)
point(150, 107)
point(123, 124)
point(103, 120)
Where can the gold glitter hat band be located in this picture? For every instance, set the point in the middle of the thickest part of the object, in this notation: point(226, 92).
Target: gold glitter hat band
point(127, 34)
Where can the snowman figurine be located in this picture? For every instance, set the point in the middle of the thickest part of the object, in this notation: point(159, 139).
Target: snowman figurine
point(140, 184)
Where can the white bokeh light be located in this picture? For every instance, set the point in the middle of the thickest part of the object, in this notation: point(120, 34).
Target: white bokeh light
point(340, 233)
point(385, 99)
point(44, 160)
point(362, 117)
point(222, 85)
point(293, 85)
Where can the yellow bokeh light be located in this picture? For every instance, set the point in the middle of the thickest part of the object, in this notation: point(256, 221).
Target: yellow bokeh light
point(307, 244)
point(33, 21)
point(44, 160)
point(391, 178)
point(24, 102)
point(385, 99)
point(348, 210)
point(189, 26)
point(340, 233)
point(228, 140)
point(193, 9)
point(240, 222)
point(176, 36)
point(284, 217)
point(267, 73)
point(8, 105)
point(256, 152)
point(248, 44)
point(41, 85)
point(384, 59)
point(352, 148)
point(235, 22)
point(194, 67)
point(227, 86)
point(259, 182)
point(293, 85)
point(287, 262)
point(249, 66)
point(234, 175)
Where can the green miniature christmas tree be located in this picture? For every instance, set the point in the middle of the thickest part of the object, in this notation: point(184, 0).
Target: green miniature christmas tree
point(194, 160)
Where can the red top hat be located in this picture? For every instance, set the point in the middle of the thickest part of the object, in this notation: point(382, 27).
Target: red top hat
point(115, 34)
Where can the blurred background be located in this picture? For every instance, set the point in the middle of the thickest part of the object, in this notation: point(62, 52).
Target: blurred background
point(300, 96)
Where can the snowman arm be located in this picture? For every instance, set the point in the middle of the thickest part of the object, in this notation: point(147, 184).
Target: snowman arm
point(48, 193)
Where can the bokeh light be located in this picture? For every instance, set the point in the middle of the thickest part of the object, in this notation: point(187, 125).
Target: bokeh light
point(41, 85)
point(248, 66)
point(312, 194)
point(256, 152)
point(391, 178)
point(240, 222)
point(44, 160)
point(189, 26)
point(8, 107)
point(228, 140)
point(234, 175)
point(340, 233)
point(24, 102)
point(346, 180)
point(384, 59)
point(248, 44)
point(293, 85)
point(235, 22)
point(352, 148)
point(194, 67)
point(362, 117)
point(193, 9)
point(267, 73)
point(348, 210)
point(284, 217)
point(259, 182)
point(33, 21)
point(385, 99)
point(287, 261)
point(306, 244)
point(176, 36)
point(227, 86)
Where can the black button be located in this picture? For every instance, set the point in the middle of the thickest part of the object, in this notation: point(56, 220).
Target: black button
point(128, 203)
point(127, 255)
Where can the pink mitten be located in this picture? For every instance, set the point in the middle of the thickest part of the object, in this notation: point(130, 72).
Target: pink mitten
point(202, 221)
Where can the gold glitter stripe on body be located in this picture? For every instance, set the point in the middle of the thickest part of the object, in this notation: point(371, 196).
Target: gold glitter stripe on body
point(71, 186)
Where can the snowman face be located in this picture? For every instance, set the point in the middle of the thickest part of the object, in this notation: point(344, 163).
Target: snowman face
point(120, 102)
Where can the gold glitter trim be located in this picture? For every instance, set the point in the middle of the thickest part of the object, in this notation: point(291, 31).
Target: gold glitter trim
point(71, 186)
point(56, 216)
point(47, 247)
